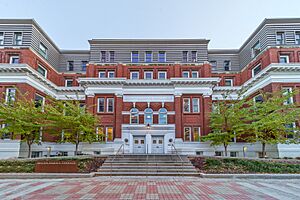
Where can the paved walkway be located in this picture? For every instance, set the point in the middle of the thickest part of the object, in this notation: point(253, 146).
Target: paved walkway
point(149, 188)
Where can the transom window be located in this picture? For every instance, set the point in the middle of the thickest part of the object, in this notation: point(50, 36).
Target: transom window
point(42, 71)
point(148, 56)
point(161, 56)
point(134, 116)
point(284, 59)
point(43, 50)
point(162, 75)
point(1, 38)
point(148, 116)
point(135, 56)
point(256, 70)
point(255, 50)
point(186, 74)
point(185, 56)
point(134, 75)
point(17, 38)
point(279, 37)
point(148, 75)
point(162, 116)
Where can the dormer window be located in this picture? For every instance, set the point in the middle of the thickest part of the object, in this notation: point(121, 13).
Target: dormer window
point(134, 56)
point(1, 38)
point(43, 50)
point(70, 65)
point(194, 56)
point(279, 38)
point(148, 56)
point(103, 56)
point(227, 65)
point(185, 56)
point(161, 56)
point(17, 38)
point(255, 50)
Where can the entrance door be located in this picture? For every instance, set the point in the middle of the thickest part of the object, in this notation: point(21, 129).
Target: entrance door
point(157, 144)
point(139, 145)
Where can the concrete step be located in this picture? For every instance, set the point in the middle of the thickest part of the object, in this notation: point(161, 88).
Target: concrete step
point(143, 167)
point(146, 174)
point(147, 170)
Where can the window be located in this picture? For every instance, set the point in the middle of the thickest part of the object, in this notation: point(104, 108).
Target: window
point(43, 50)
point(233, 154)
point(186, 74)
point(161, 56)
point(194, 56)
point(1, 38)
point(110, 104)
point(36, 154)
point(284, 59)
point(42, 71)
point(102, 74)
point(185, 56)
point(279, 37)
point(199, 153)
point(297, 37)
point(195, 102)
point(255, 50)
point(14, 59)
point(213, 64)
point(83, 65)
point(39, 101)
point(134, 75)
point(227, 64)
point(195, 74)
point(134, 116)
point(287, 92)
point(70, 65)
point(256, 70)
point(258, 99)
point(111, 56)
point(196, 134)
point(135, 56)
point(109, 134)
point(69, 82)
point(148, 56)
point(111, 74)
point(162, 75)
point(218, 153)
point(162, 116)
point(290, 130)
point(18, 38)
point(148, 116)
point(100, 104)
point(228, 82)
point(187, 134)
point(148, 75)
point(10, 95)
point(186, 105)
point(103, 56)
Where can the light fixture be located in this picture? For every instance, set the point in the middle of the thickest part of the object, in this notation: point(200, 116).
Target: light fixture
point(148, 126)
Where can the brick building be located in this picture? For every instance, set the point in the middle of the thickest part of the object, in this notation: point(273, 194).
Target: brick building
point(149, 93)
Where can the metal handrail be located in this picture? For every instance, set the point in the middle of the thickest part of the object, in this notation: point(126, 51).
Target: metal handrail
point(111, 162)
point(179, 158)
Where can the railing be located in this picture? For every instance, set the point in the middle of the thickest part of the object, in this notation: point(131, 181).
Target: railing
point(111, 162)
point(173, 146)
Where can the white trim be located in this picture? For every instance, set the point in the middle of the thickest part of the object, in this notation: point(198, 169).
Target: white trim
point(46, 72)
point(100, 72)
point(11, 58)
point(287, 57)
point(183, 72)
point(199, 133)
point(138, 57)
point(189, 103)
point(43, 99)
point(98, 99)
point(252, 71)
point(107, 104)
point(146, 57)
point(7, 92)
point(133, 72)
point(290, 90)
point(165, 60)
point(228, 79)
point(196, 73)
point(111, 72)
point(190, 134)
point(145, 72)
point(162, 72)
point(138, 116)
point(106, 133)
point(198, 105)
point(66, 82)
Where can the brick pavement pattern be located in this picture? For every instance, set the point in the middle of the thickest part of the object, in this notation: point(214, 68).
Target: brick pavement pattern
point(125, 188)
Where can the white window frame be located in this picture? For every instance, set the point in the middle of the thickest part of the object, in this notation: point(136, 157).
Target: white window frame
point(110, 57)
point(199, 133)
point(158, 58)
point(133, 72)
point(195, 55)
point(289, 90)
point(68, 65)
point(66, 82)
point(229, 69)
point(11, 59)
point(7, 94)
point(106, 133)
point(189, 103)
point(109, 74)
point(228, 79)
point(190, 134)
point(2, 39)
point(252, 71)
point(188, 74)
point(150, 72)
point(213, 67)
point(46, 72)
point(41, 52)
point(160, 118)
point(138, 56)
point(43, 100)
point(253, 55)
point(98, 100)
point(150, 114)
point(101, 72)
point(285, 56)
point(197, 104)
point(187, 57)
point(107, 104)
point(161, 72)
point(146, 57)
point(138, 116)
point(15, 39)
point(283, 37)
point(196, 73)
point(297, 33)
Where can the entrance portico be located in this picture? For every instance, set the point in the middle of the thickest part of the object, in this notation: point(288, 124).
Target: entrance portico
point(154, 139)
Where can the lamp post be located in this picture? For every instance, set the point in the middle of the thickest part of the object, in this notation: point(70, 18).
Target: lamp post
point(148, 127)
point(48, 151)
point(244, 151)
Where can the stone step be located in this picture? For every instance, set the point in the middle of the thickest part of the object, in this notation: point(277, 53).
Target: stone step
point(146, 174)
point(145, 170)
point(145, 166)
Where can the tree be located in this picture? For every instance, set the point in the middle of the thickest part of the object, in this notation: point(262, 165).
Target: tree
point(271, 119)
point(226, 122)
point(23, 117)
point(76, 123)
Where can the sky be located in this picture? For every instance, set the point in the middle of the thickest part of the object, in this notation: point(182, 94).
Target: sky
point(227, 23)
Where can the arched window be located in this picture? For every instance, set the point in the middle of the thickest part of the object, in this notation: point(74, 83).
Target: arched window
point(162, 116)
point(148, 114)
point(134, 116)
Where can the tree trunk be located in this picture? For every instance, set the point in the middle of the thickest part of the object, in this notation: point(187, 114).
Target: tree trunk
point(76, 148)
point(263, 150)
point(225, 148)
point(29, 149)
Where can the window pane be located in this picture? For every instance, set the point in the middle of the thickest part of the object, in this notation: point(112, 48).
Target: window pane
point(255, 49)
point(17, 38)
point(70, 65)
point(110, 105)
point(10, 96)
point(284, 59)
point(227, 65)
point(256, 70)
point(162, 75)
point(162, 118)
point(103, 56)
point(187, 134)
point(280, 38)
point(83, 65)
point(161, 56)
point(134, 75)
point(39, 101)
point(148, 75)
point(111, 74)
point(185, 74)
point(100, 104)
point(194, 56)
point(148, 56)
point(102, 74)
point(185, 56)
point(109, 134)
point(195, 105)
point(135, 56)
point(194, 74)
point(42, 71)
point(297, 38)
point(43, 50)
point(1, 38)
point(186, 105)
point(196, 134)
point(228, 82)
point(111, 56)
point(134, 116)
point(148, 116)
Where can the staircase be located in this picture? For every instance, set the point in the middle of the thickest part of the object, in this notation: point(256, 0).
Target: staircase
point(147, 165)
